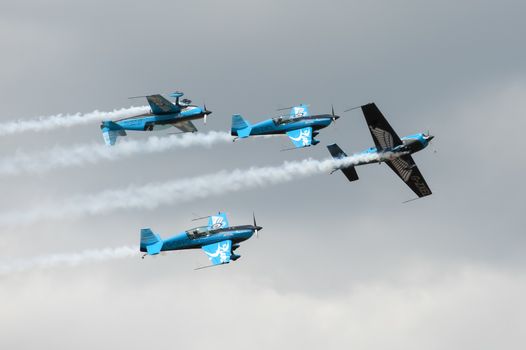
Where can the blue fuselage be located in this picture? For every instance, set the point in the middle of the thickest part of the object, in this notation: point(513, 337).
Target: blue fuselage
point(149, 121)
point(274, 127)
point(411, 144)
point(195, 239)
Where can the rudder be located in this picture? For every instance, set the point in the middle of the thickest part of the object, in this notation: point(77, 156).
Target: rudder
point(240, 127)
point(110, 131)
point(151, 242)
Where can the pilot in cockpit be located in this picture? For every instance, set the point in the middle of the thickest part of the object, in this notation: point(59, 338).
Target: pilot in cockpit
point(185, 102)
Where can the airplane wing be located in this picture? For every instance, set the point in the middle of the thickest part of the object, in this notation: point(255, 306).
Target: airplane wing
point(217, 221)
point(383, 134)
point(407, 170)
point(220, 252)
point(301, 137)
point(299, 111)
point(186, 126)
point(160, 105)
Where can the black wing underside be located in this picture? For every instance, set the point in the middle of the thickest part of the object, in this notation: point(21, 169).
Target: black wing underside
point(160, 105)
point(383, 134)
point(407, 170)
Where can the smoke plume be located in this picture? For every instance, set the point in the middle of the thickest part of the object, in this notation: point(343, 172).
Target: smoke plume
point(66, 120)
point(79, 155)
point(71, 259)
point(152, 195)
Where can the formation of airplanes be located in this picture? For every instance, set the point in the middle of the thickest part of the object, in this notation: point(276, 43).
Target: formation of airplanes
point(218, 239)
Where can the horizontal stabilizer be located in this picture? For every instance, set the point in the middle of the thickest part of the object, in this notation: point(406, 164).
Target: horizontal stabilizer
point(337, 153)
point(350, 173)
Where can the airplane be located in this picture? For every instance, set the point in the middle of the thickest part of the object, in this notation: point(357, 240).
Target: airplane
point(163, 114)
point(299, 126)
point(391, 149)
point(218, 239)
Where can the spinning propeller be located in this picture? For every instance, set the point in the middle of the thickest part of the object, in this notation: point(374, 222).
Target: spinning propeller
point(256, 227)
point(206, 112)
point(334, 116)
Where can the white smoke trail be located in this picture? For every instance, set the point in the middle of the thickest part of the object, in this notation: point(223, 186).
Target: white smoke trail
point(66, 120)
point(152, 195)
point(78, 155)
point(71, 259)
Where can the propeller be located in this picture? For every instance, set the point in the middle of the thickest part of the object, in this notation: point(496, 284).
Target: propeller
point(256, 227)
point(428, 137)
point(206, 112)
point(334, 116)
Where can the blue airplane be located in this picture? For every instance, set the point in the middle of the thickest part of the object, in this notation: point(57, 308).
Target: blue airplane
point(218, 240)
point(298, 126)
point(163, 114)
point(391, 149)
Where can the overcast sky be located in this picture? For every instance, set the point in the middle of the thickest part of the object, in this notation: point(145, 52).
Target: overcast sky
point(338, 264)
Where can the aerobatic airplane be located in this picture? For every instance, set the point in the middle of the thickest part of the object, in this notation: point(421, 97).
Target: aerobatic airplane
point(218, 240)
point(391, 149)
point(163, 114)
point(299, 126)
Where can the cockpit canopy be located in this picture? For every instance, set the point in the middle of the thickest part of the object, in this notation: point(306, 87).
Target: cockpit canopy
point(185, 102)
point(198, 232)
point(284, 119)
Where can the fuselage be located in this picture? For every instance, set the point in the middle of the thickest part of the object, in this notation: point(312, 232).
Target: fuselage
point(202, 236)
point(150, 121)
point(276, 126)
point(411, 144)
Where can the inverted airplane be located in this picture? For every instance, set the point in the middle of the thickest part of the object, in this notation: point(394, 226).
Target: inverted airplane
point(391, 149)
point(218, 240)
point(163, 114)
point(299, 126)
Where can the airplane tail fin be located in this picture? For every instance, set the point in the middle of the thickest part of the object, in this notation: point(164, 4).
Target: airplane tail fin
point(110, 131)
point(151, 242)
point(337, 153)
point(240, 127)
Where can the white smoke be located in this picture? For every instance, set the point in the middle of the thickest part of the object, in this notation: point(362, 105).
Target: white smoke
point(152, 195)
point(71, 259)
point(66, 120)
point(78, 155)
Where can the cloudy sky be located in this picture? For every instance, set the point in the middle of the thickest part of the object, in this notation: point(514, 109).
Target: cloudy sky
point(338, 265)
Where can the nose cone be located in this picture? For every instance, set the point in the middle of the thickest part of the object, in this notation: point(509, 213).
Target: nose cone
point(207, 112)
point(429, 137)
point(258, 228)
point(335, 117)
